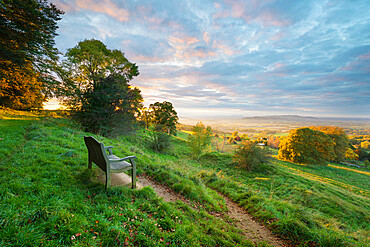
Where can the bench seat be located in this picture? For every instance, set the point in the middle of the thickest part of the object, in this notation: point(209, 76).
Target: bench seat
point(109, 162)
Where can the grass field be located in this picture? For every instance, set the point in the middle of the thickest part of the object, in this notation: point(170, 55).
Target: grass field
point(48, 197)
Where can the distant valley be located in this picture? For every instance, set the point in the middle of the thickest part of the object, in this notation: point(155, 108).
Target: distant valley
point(281, 123)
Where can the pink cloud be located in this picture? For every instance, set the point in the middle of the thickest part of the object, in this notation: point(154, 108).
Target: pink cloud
point(270, 18)
point(105, 7)
point(224, 49)
point(206, 37)
point(251, 12)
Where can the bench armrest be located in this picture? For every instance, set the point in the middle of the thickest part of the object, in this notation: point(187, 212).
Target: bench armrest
point(109, 149)
point(122, 159)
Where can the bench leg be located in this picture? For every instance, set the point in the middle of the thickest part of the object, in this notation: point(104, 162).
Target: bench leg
point(90, 163)
point(133, 175)
point(107, 181)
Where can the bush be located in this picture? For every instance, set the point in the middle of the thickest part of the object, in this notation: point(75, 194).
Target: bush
point(159, 141)
point(200, 139)
point(248, 155)
point(367, 164)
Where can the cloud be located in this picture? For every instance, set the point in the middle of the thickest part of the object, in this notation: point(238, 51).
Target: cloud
point(233, 55)
point(108, 7)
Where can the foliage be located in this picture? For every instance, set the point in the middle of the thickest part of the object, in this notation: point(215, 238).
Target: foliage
point(21, 89)
point(200, 139)
point(97, 89)
point(367, 164)
point(219, 141)
point(308, 146)
point(248, 155)
point(362, 153)
point(27, 52)
point(273, 141)
point(351, 155)
point(163, 114)
point(341, 142)
point(159, 141)
point(365, 145)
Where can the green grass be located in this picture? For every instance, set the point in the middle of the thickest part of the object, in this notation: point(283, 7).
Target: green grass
point(298, 204)
point(48, 197)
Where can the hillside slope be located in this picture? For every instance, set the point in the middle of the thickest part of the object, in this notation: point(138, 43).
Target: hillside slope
point(49, 197)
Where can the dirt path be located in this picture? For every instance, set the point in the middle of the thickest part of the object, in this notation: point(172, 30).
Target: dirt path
point(251, 228)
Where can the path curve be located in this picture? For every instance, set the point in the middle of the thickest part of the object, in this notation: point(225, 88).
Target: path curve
point(251, 228)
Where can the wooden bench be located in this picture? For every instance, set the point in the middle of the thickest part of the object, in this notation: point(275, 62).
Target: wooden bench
point(109, 163)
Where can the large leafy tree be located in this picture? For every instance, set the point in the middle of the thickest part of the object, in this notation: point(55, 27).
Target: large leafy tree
point(27, 52)
point(340, 139)
point(97, 90)
point(164, 114)
point(308, 146)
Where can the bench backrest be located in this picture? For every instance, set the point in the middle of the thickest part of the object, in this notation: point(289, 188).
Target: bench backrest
point(96, 152)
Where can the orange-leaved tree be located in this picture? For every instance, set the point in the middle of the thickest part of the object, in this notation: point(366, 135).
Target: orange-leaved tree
point(308, 146)
point(340, 138)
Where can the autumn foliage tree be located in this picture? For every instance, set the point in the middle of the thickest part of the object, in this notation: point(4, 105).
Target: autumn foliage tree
point(340, 139)
point(308, 146)
point(27, 53)
point(273, 141)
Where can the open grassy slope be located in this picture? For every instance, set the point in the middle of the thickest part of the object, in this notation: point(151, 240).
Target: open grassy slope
point(48, 197)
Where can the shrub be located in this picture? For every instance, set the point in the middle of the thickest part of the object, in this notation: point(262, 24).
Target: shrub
point(248, 155)
point(367, 164)
point(159, 141)
point(200, 139)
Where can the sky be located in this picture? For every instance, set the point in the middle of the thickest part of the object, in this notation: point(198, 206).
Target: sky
point(235, 58)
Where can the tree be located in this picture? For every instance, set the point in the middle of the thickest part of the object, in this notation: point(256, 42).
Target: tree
point(27, 52)
point(165, 115)
point(96, 88)
point(351, 155)
point(341, 141)
point(365, 145)
point(20, 89)
point(248, 155)
point(273, 141)
point(305, 145)
point(200, 139)
point(219, 142)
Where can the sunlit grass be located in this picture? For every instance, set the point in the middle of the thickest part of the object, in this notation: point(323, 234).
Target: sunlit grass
point(349, 169)
point(48, 197)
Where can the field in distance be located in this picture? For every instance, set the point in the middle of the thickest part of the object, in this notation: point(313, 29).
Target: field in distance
point(281, 123)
